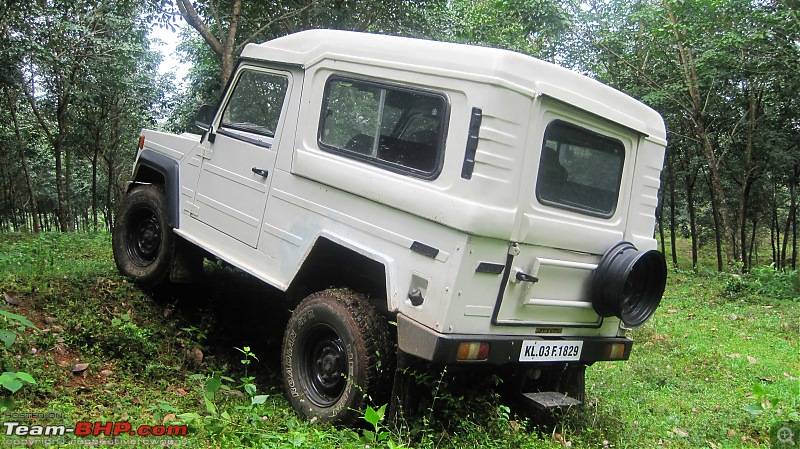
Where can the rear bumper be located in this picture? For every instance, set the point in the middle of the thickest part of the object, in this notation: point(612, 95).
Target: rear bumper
point(420, 341)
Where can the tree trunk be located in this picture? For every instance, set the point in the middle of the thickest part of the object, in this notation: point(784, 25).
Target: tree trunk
point(717, 231)
point(27, 171)
point(62, 200)
point(696, 113)
point(6, 195)
point(224, 47)
point(226, 70)
point(692, 221)
point(719, 202)
point(661, 226)
point(753, 243)
point(62, 178)
point(744, 206)
point(789, 220)
point(671, 180)
point(68, 187)
point(660, 218)
point(94, 180)
point(753, 107)
point(775, 231)
point(794, 218)
point(109, 203)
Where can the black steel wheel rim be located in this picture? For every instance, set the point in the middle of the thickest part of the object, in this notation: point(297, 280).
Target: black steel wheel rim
point(324, 365)
point(144, 236)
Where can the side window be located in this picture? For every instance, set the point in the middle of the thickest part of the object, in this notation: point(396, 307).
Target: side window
point(256, 102)
point(579, 170)
point(397, 128)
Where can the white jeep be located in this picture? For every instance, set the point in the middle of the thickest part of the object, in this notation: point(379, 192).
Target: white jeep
point(459, 205)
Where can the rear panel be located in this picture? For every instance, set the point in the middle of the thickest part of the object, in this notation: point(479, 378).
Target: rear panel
point(575, 193)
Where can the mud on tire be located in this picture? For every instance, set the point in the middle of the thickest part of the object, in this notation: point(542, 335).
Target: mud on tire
point(337, 357)
point(142, 240)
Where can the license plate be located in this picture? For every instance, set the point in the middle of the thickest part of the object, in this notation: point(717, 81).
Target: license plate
point(550, 351)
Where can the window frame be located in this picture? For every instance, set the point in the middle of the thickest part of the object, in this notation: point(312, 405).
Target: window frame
point(252, 137)
point(374, 161)
point(570, 207)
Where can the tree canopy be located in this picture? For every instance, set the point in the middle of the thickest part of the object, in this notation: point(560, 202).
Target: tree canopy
point(80, 80)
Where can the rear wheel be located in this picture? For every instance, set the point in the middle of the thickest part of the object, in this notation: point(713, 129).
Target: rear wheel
point(337, 357)
point(142, 240)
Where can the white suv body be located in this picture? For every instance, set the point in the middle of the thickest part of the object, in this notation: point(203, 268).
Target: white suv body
point(486, 184)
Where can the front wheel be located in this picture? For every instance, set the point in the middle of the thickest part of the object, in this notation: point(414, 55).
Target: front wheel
point(142, 240)
point(336, 357)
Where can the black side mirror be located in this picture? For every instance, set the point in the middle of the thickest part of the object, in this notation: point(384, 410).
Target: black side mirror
point(204, 117)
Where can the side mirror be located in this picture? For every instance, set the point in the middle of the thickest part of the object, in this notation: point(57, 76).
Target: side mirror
point(204, 117)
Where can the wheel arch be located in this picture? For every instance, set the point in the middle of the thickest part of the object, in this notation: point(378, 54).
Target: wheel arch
point(156, 168)
point(332, 261)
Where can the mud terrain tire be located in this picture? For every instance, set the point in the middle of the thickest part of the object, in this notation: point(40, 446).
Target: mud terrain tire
point(142, 240)
point(336, 357)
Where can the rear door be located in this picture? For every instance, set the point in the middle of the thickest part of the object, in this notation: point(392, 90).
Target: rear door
point(575, 210)
point(236, 171)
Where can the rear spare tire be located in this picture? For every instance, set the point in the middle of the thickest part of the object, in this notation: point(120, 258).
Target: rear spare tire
point(337, 357)
point(142, 240)
point(629, 284)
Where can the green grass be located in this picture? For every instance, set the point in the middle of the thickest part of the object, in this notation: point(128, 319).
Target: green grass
point(718, 344)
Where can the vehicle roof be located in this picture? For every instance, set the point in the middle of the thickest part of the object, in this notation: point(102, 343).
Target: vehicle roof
point(515, 71)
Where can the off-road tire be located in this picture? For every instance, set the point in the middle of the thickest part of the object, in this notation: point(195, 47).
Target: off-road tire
point(142, 240)
point(337, 357)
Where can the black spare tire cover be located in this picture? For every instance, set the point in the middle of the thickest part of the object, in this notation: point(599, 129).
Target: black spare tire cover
point(629, 283)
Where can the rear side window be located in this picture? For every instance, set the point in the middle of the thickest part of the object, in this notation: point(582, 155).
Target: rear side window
point(397, 128)
point(580, 170)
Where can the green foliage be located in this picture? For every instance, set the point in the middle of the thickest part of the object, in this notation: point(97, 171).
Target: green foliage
point(198, 335)
point(777, 284)
point(764, 282)
point(737, 286)
point(259, 22)
point(13, 380)
point(78, 83)
point(688, 383)
point(10, 380)
point(725, 103)
point(528, 26)
point(379, 434)
point(12, 319)
point(131, 345)
point(247, 381)
point(772, 407)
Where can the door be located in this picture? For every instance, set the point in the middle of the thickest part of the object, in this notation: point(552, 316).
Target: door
point(574, 213)
point(239, 155)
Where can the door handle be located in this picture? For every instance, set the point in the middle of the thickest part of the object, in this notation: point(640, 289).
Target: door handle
point(525, 277)
point(260, 171)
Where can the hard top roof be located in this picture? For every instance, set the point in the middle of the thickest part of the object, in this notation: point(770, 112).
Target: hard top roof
point(522, 73)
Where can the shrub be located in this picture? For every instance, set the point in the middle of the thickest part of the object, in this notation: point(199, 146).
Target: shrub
point(782, 285)
point(778, 284)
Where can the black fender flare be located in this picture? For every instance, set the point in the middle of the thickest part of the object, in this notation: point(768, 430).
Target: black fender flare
point(167, 167)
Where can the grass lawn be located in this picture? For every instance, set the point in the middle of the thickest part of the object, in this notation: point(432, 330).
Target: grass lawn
point(715, 368)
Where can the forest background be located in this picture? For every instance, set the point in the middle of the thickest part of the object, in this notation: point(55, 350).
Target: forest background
point(80, 79)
